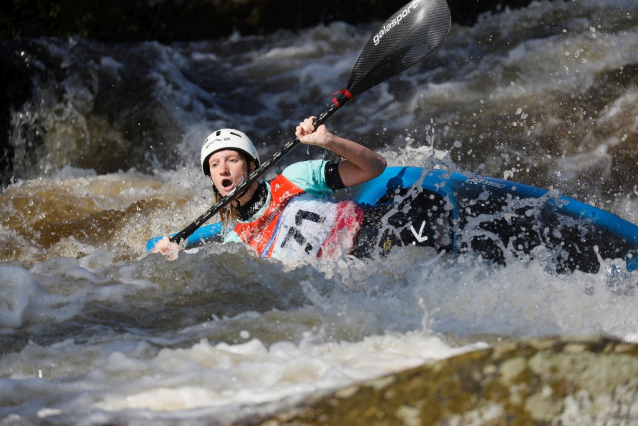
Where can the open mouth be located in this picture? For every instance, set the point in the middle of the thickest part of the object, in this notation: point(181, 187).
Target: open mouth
point(227, 184)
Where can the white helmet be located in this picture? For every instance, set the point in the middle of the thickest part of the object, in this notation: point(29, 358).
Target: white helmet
point(227, 139)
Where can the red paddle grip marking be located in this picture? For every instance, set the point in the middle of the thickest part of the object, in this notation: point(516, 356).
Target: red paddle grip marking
point(346, 93)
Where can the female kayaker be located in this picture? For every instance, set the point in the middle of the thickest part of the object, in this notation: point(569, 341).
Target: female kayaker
point(292, 215)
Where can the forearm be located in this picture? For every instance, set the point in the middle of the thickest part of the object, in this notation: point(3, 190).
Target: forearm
point(360, 163)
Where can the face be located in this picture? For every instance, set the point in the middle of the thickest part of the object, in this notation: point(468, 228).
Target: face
point(227, 170)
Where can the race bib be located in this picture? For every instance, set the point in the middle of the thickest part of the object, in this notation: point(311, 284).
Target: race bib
point(308, 224)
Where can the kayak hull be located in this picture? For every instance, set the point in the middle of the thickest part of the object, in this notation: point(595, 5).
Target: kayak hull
point(489, 216)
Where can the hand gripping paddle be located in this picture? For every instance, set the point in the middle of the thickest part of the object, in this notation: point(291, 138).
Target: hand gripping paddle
point(404, 39)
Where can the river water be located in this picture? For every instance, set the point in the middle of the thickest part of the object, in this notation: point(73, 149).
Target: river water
point(105, 153)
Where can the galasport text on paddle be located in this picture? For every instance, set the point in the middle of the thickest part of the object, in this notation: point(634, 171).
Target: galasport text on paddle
point(408, 36)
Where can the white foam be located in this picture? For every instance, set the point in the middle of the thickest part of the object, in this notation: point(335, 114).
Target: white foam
point(221, 334)
point(231, 375)
point(16, 289)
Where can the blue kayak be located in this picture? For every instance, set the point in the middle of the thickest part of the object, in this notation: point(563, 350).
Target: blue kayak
point(453, 212)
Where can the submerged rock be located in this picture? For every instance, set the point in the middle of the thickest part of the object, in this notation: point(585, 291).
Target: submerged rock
point(568, 381)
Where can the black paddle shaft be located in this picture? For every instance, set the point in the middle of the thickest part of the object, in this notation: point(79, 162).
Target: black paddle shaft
point(408, 36)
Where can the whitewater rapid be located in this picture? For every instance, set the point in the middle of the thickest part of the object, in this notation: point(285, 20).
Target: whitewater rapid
point(93, 330)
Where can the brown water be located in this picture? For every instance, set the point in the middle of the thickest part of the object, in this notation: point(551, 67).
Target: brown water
point(94, 331)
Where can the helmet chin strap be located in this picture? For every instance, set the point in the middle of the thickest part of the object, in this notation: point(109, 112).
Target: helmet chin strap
point(241, 195)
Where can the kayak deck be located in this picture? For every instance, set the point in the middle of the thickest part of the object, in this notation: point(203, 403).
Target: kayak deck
point(488, 216)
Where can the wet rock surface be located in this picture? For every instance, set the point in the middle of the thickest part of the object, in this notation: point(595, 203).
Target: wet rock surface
point(568, 381)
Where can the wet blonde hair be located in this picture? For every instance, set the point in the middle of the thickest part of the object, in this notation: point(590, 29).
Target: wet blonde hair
point(228, 213)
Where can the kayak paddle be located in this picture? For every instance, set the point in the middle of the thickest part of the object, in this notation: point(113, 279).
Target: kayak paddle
point(408, 36)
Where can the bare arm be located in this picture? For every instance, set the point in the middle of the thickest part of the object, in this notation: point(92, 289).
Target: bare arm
point(360, 163)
